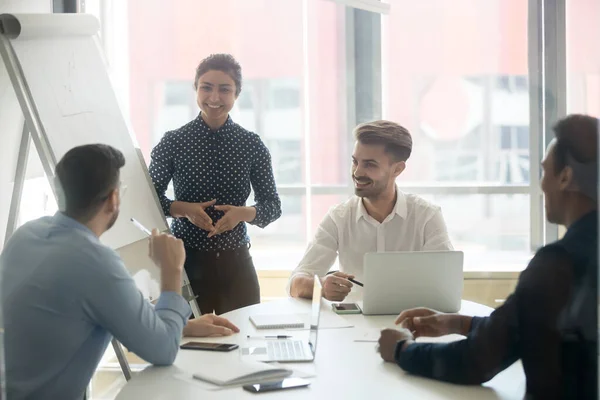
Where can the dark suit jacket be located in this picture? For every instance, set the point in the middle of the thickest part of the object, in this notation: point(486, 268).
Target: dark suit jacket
point(549, 322)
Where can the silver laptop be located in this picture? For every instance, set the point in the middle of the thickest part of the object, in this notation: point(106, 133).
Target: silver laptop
point(291, 350)
point(397, 281)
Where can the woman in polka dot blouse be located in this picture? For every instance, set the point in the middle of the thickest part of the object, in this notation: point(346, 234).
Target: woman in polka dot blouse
point(214, 163)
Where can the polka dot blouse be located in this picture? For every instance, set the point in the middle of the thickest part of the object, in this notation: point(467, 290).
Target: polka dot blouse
point(221, 165)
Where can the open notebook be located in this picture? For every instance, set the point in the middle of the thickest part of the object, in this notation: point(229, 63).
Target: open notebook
point(281, 321)
point(240, 373)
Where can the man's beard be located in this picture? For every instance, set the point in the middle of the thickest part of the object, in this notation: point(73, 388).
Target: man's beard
point(372, 191)
point(113, 220)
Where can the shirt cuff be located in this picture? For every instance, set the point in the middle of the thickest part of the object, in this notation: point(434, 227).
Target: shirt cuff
point(288, 287)
point(166, 206)
point(174, 302)
point(398, 351)
point(475, 322)
point(259, 217)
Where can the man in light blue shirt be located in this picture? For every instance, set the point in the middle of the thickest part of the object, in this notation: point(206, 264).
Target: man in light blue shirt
point(64, 294)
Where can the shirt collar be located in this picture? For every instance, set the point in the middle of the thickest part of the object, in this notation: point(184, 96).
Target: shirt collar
point(229, 123)
point(400, 208)
point(68, 222)
point(586, 223)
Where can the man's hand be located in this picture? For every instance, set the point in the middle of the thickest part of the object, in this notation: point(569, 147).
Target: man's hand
point(432, 323)
point(389, 339)
point(209, 325)
point(232, 217)
point(166, 251)
point(336, 286)
point(196, 214)
point(168, 254)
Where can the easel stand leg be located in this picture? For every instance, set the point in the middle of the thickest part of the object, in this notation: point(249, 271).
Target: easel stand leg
point(122, 360)
point(188, 294)
point(15, 201)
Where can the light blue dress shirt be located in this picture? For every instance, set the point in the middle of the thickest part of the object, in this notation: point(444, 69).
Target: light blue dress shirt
point(63, 295)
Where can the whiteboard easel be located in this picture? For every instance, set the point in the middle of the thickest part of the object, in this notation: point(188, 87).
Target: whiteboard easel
point(33, 130)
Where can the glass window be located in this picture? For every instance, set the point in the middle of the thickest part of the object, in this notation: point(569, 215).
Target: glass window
point(467, 107)
point(284, 94)
point(345, 86)
point(298, 106)
point(281, 244)
point(491, 230)
point(486, 224)
point(447, 93)
point(512, 83)
point(583, 57)
point(245, 100)
point(287, 161)
point(521, 83)
point(177, 107)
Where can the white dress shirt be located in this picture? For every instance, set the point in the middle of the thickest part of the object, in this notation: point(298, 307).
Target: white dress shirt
point(349, 232)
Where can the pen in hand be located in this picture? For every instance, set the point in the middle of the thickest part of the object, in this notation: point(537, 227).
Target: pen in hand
point(350, 279)
point(356, 282)
point(141, 227)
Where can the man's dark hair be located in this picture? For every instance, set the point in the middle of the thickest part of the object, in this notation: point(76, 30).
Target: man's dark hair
point(224, 63)
point(395, 138)
point(86, 176)
point(577, 136)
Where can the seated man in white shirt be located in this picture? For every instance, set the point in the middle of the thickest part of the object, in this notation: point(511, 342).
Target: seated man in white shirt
point(380, 218)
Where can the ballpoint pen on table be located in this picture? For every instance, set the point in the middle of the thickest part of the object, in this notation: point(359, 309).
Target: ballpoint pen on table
point(269, 337)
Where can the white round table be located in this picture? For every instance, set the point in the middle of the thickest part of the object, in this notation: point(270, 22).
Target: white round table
point(343, 368)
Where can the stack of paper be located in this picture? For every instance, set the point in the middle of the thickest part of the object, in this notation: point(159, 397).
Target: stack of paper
point(240, 372)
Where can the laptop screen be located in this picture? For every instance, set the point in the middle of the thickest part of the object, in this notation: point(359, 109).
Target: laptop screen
point(315, 314)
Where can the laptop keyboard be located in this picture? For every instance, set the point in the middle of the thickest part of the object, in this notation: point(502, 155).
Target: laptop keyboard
point(286, 350)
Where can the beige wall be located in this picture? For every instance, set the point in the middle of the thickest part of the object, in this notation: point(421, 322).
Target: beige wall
point(491, 292)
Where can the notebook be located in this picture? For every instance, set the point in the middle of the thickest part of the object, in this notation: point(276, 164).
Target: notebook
point(240, 373)
point(278, 321)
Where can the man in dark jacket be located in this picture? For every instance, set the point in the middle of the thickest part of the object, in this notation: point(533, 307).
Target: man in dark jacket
point(550, 321)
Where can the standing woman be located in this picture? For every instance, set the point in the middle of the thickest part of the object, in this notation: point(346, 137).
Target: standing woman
point(213, 163)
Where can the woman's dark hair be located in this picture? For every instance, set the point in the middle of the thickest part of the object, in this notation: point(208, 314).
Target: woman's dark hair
point(224, 63)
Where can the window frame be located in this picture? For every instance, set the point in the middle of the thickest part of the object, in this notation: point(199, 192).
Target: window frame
point(547, 100)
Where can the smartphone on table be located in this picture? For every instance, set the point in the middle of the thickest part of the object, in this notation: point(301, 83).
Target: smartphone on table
point(289, 383)
point(208, 346)
point(346, 308)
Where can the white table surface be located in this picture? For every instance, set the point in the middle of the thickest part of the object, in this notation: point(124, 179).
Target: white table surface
point(343, 368)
